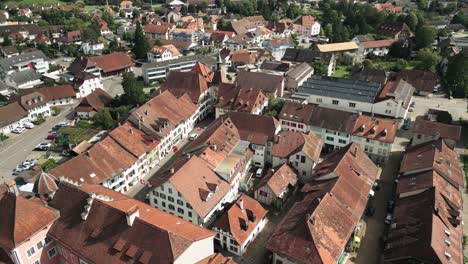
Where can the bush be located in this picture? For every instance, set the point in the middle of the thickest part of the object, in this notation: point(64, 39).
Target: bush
point(3, 137)
point(56, 111)
point(49, 165)
point(40, 119)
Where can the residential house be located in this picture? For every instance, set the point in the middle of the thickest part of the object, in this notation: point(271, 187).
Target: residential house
point(297, 75)
point(396, 30)
point(339, 128)
point(243, 59)
point(237, 42)
point(103, 65)
point(163, 53)
point(92, 47)
point(281, 28)
point(270, 84)
point(259, 131)
point(24, 31)
point(371, 75)
point(23, 79)
point(301, 151)
point(424, 82)
point(35, 60)
point(325, 219)
point(338, 48)
point(35, 103)
point(429, 193)
point(9, 51)
point(311, 56)
point(426, 130)
point(238, 226)
point(233, 98)
point(92, 103)
point(115, 223)
point(55, 95)
point(247, 24)
point(189, 189)
point(194, 85)
point(376, 47)
point(85, 83)
point(71, 37)
point(392, 100)
point(25, 224)
point(278, 46)
point(217, 258)
point(159, 30)
point(12, 115)
point(167, 118)
point(388, 7)
point(306, 27)
point(276, 186)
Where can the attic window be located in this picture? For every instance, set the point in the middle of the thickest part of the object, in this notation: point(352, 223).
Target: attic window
point(447, 232)
point(448, 255)
point(355, 171)
point(251, 216)
point(131, 251)
point(243, 224)
point(119, 245)
point(447, 242)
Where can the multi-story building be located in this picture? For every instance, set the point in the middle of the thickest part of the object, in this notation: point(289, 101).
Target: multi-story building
point(426, 130)
point(339, 128)
point(306, 27)
point(238, 226)
point(12, 115)
point(392, 100)
point(189, 189)
point(92, 103)
point(276, 186)
point(325, 220)
point(36, 60)
point(233, 98)
point(85, 83)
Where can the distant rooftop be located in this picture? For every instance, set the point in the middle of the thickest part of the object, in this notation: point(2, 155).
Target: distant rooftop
point(342, 88)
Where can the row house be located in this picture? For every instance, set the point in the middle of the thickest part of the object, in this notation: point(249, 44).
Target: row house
point(300, 237)
point(301, 151)
point(159, 31)
point(392, 100)
point(276, 186)
point(190, 190)
point(376, 47)
point(233, 98)
point(54, 95)
point(238, 226)
point(167, 118)
point(339, 128)
point(195, 84)
point(103, 65)
point(35, 103)
point(34, 60)
point(426, 130)
point(59, 230)
point(270, 84)
point(110, 162)
point(428, 193)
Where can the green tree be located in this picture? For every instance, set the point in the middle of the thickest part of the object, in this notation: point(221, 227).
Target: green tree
point(456, 78)
point(114, 44)
point(425, 36)
point(293, 11)
point(103, 119)
point(428, 58)
point(192, 8)
point(320, 68)
point(6, 41)
point(141, 44)
point(411, 20)
point(49, 164)
point(444, 117)
point(133, 91)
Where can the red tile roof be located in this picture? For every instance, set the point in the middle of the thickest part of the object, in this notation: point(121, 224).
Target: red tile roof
point(158, 29)
point(112, 62)
point(433, 155)
point(21, 219)
point(204, 71)
point(427, 127)
point(279, 180)
point(288, 143)
point(239, 99)
point(162, 113)
point(197, 184)
point(256, 129)
point(45, 184)
point(378, 43)
point(245, 210)
point(133, 140)
point(53, 92)
point(94, 101)
point(380, 129)
point(317, 228)
point(186, 83)
point(217, 258)
point(166, 236)
point(424, 81)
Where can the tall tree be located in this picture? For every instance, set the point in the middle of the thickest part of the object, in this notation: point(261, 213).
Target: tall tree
point(456, 78)
point(425, 36)
point(429, 59)
point(141, 45)
point(103, 119)
point(133, 92)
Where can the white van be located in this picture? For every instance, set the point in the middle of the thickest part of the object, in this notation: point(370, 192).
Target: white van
point(259, 173)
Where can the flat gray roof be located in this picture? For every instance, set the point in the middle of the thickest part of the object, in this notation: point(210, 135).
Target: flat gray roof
point(341, 88)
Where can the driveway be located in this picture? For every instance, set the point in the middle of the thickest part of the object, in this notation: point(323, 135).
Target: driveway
point(456, 107)
point(18, 148)
point(113, 85)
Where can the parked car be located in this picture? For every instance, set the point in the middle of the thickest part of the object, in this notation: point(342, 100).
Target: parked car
point(193, 136)
point(29, 162)
point(406, 124)
point(43, 146)
point(413, 104)
point(63, 124)
point(52, 135)
point(388, 219)
point(390, 206)
point(259, 173)
point(21, 168)
point(411, 109)
point(18, 130)
point(370, 211)
point(66, 153)
point(28, 125)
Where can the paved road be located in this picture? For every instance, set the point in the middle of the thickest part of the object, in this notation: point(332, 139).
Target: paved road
point(456, 107)
point(18, 148)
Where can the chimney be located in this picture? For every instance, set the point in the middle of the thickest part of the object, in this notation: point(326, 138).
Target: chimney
point(172, 170)
point(132, 214)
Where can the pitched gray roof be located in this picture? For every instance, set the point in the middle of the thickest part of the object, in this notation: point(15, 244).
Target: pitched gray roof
point(24, 76)
point(7, 63)
point(341, 88)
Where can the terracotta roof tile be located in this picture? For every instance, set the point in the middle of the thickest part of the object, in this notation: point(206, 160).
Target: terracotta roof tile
point(94, 101)
point(279, 180)
point(204, 71)
point(53, 92)
point(112, 62)
point(217, 258)
point(427, 127)
point(239, 99)
point(133, 140)
point(380, 129)
point(288, 143)
point(190, 83)
point(378, 43)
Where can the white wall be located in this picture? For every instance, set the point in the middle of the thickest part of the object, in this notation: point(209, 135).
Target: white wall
point(196, 252)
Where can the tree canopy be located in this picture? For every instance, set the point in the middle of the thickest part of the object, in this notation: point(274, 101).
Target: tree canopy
point(456, 78)
point(141, 45)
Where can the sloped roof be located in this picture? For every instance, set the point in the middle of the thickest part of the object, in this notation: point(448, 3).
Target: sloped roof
point(428, 127)
point(336, 47)
point(288, 143)
point(112, 62)
point(268, 83)
point(316, 229)
point(45, 184)
point(238, 99)
point(279, 180)
point(204, 71)
point(421, 80)
point(378, 43)
point(380, 129)
point(133, 140)
point(21, 219)
point(217, 258)
point(246, 210)
point(11, 113)
point(113, 241)
point(256, 129)
point(186, 83)
point(94, 101)
point(52, 92)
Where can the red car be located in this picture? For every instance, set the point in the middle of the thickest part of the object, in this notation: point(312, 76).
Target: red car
point(51, 135)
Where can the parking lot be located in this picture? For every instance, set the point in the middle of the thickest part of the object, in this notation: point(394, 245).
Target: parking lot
point(19, 147)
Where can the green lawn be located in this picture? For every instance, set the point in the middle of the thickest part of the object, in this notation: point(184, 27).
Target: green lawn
point(89, 8)
point(30, 2)
point(388, 65)
point(341, 71)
